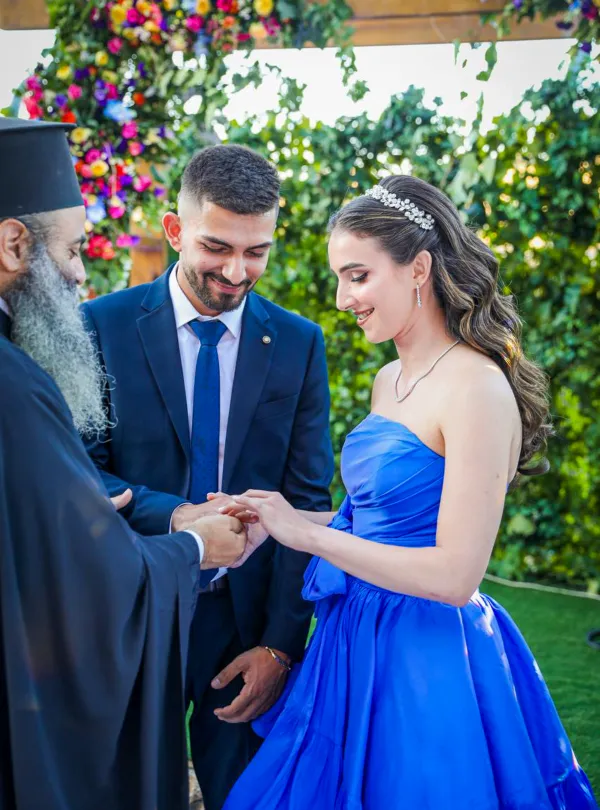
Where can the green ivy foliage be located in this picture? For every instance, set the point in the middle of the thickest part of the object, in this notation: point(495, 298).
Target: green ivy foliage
point(530, 187)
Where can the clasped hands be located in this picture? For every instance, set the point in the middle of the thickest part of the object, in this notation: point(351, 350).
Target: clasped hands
point(262, 513)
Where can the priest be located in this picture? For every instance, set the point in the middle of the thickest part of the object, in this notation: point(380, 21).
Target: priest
point(94, 619)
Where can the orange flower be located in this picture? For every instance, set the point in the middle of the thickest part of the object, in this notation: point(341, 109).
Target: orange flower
point(228, 22)
point(139, 98)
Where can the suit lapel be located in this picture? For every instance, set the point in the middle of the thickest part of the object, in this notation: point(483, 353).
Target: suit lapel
point(158, 334)
point(257, 343)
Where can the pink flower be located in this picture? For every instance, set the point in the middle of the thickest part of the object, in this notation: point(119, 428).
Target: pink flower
point(112, 92)
point(142, 183)
point(93, 155)
point(194, 24)
point(590, 13)
point(129, 130)
point(115, 45)
point(133, 18)
point(33, 83)
point(243, 37)
point(225, 5)
point(74, 92)
point(124, 240)
point(116, 211)
point(135, 148)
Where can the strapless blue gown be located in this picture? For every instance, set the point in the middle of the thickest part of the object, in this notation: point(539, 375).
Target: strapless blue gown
point(403, 703)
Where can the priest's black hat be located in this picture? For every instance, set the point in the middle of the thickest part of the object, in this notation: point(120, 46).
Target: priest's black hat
point(36, 169)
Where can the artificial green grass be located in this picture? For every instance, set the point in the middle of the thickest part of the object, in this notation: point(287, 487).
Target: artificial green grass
point(555, 627)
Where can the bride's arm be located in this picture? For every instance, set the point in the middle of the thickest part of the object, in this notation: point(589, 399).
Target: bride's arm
point(478, 430)
point(319, 518)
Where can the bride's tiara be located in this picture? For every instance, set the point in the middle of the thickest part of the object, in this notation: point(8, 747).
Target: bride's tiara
point(405, 206)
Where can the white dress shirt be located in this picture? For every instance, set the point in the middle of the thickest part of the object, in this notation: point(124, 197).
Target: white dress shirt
point(189, 346)
point(4, 307)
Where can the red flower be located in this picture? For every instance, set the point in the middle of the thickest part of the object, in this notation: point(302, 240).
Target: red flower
point(139, 98)
point(68, 117)
point(32, 107)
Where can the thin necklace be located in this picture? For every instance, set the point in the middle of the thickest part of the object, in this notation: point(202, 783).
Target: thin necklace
point(422, 377)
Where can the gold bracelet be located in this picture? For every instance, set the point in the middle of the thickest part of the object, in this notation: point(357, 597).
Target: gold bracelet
point(278, 658)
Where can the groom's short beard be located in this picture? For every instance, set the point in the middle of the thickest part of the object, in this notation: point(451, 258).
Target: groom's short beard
point(47, 325)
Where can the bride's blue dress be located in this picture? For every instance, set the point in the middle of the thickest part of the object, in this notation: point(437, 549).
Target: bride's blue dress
point(403, 703)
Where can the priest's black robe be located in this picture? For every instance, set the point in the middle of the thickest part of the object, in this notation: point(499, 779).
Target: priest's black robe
point(93, 623)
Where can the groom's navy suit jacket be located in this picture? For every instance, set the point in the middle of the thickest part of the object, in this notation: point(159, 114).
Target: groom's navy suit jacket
point(277, 436)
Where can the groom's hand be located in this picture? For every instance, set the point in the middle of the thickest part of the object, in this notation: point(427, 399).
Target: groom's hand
point(264, 680)
point(183, 517)
point(224, 540)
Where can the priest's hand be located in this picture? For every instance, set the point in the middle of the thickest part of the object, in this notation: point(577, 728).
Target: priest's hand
point(120, 501)
point(224, 540)
point(264, 678)
point(184, 516)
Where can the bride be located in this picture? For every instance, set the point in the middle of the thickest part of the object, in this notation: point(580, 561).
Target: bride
point(417, 691)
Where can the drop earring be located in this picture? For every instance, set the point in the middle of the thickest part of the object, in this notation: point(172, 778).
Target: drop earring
point(419, 304)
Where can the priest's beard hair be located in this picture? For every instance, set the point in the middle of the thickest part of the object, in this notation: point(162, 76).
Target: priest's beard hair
point(47, 325)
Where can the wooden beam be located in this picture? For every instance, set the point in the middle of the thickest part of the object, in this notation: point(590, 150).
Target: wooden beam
point(422, 30)
point(23, 15)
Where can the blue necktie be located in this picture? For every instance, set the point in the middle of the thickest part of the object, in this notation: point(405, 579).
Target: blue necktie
point(206, 416)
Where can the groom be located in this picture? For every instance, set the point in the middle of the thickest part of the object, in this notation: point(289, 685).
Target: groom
point(216, 388)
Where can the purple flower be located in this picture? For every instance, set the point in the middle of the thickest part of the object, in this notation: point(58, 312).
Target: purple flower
point(564, 25)
point(162, 132)
point(80, 74)
point(142, 70)
point(586, 47)
point(100, 95)
point(159, 192)
point(126, 180)
point(61, 100)
point(518, 4)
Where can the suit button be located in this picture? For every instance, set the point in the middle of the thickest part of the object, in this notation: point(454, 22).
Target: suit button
point(266, 339)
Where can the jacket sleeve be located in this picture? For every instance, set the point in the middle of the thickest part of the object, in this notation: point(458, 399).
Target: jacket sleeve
point(149, 511)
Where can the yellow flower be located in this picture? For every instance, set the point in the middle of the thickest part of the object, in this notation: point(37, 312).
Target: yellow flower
point(178, 42)
point(63, 73)
point(137, 215)
point(258, 31)
point(99, 168)
point(532, 182)
point(92, 199)
point(143, 7)
point(202, 7)
point(129, 33)
point(263, 7)
point(80, 135)
point(110, 76)
point(169, 4)
point(102, 59)
point(151, 26)
point(118, 15)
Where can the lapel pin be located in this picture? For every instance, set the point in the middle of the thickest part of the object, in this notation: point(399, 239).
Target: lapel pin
point(266, 340)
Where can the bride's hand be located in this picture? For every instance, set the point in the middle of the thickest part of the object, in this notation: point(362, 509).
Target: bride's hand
point(277, 517)
point(233, 509)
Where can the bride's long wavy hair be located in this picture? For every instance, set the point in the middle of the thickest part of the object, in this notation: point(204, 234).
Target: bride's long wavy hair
point(465, 283)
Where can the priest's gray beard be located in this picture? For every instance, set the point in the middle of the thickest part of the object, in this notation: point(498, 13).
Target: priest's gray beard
point(47, 325)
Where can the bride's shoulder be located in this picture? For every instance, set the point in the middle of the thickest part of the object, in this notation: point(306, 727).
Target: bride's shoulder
point(476, 377)
point(382, 378)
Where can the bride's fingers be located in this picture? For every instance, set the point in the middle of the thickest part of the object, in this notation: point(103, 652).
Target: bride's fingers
point(250, 503)
point(255, 493)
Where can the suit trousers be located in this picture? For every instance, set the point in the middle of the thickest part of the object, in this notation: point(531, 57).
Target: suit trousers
point(220, 751)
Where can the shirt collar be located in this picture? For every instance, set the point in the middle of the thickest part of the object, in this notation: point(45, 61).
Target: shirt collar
point(186, 312)
point(5, 308)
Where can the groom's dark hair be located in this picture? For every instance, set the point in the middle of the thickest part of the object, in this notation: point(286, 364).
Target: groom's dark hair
point(233, 177)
